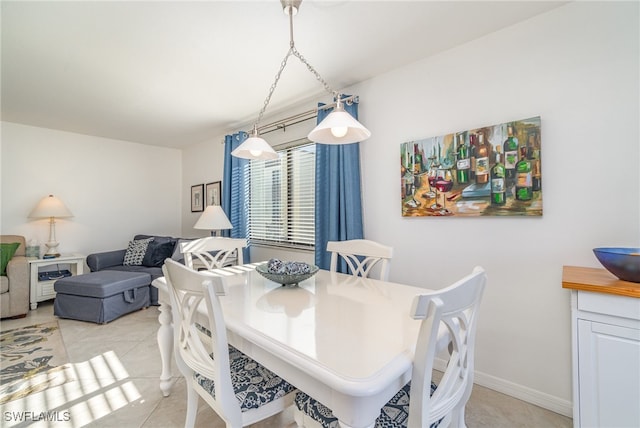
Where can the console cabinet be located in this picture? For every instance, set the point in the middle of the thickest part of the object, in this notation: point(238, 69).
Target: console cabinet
point(40, 291)
point(605, 324)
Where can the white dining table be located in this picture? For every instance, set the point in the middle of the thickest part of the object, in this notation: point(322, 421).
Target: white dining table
point(344, 340)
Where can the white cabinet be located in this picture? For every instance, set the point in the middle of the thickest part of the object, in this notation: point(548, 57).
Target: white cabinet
point(609, 373)
point(606, 356)
point(40, 291)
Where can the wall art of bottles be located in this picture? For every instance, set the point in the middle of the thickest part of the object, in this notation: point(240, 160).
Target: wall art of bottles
point(491, 171)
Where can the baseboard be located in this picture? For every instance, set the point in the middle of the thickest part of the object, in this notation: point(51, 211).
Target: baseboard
point(538, 398)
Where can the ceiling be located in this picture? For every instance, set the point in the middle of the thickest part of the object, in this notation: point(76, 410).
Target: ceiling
point(176, 73)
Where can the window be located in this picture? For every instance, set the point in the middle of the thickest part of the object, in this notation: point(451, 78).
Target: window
point(282, 198)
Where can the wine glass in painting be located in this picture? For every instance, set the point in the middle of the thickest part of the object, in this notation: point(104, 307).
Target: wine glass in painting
point(431, 177)
point(443, 184)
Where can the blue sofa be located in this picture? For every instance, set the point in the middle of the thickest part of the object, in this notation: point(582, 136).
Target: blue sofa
point(159, 249)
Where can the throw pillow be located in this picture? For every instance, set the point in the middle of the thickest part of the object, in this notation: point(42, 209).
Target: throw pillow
point(157, 252)
point(7, 250)
point(136, 251)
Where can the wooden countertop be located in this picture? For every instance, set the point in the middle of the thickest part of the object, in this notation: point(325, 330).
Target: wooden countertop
point(597, 280)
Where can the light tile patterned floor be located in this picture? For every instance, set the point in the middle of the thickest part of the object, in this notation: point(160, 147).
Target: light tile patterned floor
point(117, 368)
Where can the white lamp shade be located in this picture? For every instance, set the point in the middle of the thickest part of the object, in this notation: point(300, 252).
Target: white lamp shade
point(213, 218)
point(255, 148)
point(50, 206)
point(339, 127)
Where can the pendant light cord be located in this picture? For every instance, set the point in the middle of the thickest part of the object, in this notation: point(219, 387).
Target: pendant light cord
point(292, 51)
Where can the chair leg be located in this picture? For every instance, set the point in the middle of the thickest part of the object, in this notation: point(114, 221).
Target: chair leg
point(192, 406)
point(298, 416)
point(457, 419)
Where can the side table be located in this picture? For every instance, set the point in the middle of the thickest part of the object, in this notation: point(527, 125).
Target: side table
point(43, 290)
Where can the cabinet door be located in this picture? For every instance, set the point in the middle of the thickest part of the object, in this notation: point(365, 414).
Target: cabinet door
point(609, 366)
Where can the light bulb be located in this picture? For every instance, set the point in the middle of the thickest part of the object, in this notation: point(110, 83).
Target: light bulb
point(255, 153)
point(339, 131)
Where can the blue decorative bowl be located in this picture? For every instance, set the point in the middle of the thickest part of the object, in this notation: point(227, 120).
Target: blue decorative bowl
point(289, 280)
point(622, 262)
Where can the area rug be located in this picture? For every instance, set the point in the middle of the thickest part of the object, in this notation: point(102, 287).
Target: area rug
point(32, 359)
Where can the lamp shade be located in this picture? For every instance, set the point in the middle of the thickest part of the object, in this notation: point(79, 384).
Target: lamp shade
point(213, 218)
point(255, 148)
point(339, 127)
point(50, 206)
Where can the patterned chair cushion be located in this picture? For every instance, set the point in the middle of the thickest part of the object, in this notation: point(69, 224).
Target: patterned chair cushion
point(253, 384)
point(394, 414)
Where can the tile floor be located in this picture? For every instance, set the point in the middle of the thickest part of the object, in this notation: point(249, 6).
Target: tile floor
point(114, 383)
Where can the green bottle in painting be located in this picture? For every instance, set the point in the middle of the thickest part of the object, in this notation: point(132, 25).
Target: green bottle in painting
point(463, 163)
point(536, 173)
point(524, 181)
point(482, 160)
point(510, 147)
point(497, 181)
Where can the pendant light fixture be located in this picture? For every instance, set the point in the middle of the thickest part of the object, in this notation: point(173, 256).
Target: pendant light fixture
point(339, 127)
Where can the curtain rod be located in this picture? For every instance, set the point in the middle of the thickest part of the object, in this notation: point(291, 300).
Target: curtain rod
point(289, 121)
point(301, 117)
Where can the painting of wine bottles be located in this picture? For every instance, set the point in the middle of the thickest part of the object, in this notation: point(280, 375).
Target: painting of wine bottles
point(491, 171)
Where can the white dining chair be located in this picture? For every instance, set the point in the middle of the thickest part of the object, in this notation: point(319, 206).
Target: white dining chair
point(237, 388)
point(361, 256)
point(213, 252)
point(429, 405)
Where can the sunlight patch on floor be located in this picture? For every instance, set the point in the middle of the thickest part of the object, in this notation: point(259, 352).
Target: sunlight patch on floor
point(92, 390)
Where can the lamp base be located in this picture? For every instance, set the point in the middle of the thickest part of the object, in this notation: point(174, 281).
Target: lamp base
point(52, 251)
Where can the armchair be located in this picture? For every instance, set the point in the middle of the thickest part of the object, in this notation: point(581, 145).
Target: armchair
point(14, 288)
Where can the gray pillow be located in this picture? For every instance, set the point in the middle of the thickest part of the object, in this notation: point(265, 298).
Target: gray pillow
point(157, 253)
point(158, 250)
point(136, 251)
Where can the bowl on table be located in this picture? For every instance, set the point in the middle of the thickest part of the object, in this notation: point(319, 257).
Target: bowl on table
point(284, 278)
point(624, 263)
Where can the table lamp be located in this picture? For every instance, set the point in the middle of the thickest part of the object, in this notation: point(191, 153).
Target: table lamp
point(214, 219)
point(51, 207)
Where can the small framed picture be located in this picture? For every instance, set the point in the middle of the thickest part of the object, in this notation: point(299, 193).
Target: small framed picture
point(197, 198)
point(213, 192)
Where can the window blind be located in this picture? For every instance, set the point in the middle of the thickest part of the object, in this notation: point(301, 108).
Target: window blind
point(282, 198)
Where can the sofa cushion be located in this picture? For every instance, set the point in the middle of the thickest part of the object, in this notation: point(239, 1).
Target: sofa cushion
point(158, 250)
point(7, 250)
point(136, 251)
point(4, 284)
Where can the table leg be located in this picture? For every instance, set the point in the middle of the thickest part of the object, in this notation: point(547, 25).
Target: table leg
point(165, 344)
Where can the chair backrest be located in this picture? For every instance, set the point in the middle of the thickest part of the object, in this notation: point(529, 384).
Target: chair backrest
point(213, 252)
point(187, 290)
point(361, 255)
point(455, 307)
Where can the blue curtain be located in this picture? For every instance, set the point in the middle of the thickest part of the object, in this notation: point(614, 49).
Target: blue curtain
point(338, 214)
point(234, 190)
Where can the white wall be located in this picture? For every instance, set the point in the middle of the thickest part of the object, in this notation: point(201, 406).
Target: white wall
point(203, 163)
point(115, 189)
point(577, 67)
